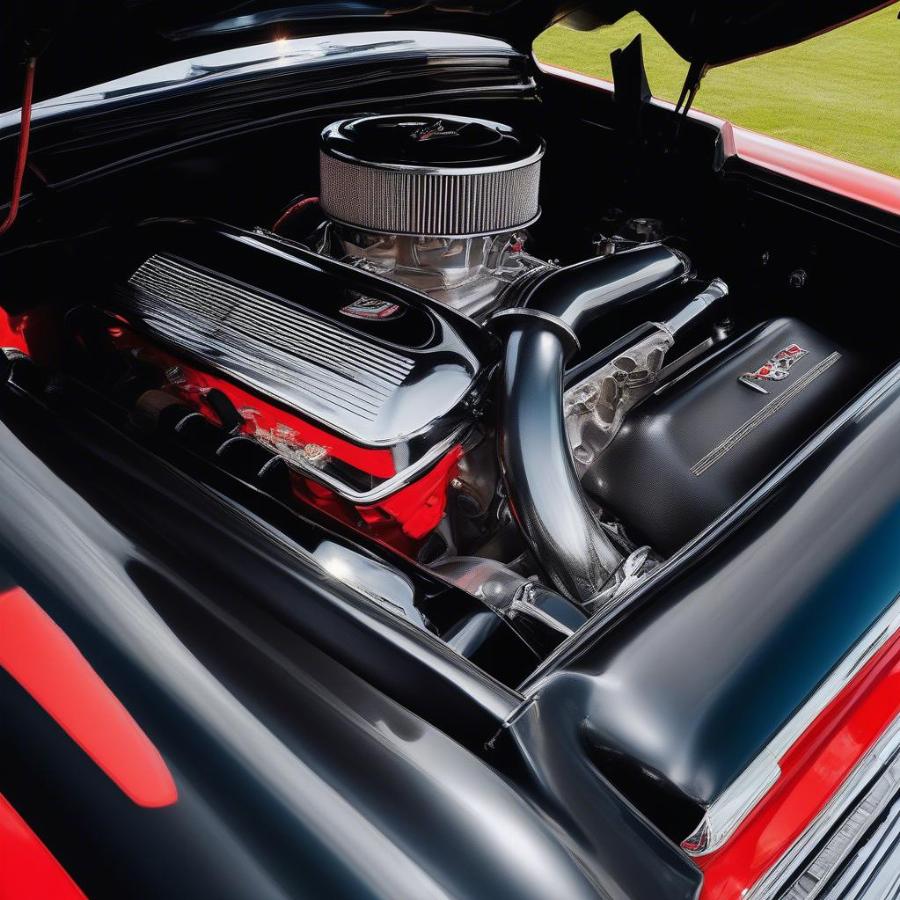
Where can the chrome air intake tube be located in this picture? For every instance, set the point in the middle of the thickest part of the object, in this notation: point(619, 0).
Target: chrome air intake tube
point(541, 332)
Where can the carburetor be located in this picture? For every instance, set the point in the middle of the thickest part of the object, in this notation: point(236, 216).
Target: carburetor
point(440, 203)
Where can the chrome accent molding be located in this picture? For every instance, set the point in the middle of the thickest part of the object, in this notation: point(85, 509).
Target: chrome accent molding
point(730, 809)
point(386, 488)
point(563, 329)
point(804, 871)
point(873, 871)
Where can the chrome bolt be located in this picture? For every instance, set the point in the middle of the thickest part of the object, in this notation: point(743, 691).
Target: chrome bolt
point(797, 278)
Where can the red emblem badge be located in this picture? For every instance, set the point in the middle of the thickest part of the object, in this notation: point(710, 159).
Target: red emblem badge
point(775, 369)
point(370, 308)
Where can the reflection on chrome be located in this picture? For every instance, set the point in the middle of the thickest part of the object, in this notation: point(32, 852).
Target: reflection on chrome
point(859, 802)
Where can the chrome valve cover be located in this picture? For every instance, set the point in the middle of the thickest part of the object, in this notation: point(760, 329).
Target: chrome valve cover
point(377, 370)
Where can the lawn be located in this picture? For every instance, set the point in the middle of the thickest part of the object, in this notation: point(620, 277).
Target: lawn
point(838, 93)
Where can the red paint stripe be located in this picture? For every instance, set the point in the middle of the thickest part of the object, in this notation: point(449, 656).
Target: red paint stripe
point(812, 770)
point(813, 168)
point(27, 868)
point(41, 658)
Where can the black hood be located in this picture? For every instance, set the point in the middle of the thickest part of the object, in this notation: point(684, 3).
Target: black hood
point(81, 44)
point(715, 32)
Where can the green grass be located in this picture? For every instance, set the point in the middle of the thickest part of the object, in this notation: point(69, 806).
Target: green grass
point(838, 93)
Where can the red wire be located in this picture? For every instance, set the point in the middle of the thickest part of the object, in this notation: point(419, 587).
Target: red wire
point(292, 209)
point(22, 158)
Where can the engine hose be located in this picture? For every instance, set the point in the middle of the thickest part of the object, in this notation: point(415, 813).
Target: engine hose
point(22, 153)
point(546, 498)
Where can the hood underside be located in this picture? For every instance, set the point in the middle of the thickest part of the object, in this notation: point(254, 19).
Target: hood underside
point(85, 44)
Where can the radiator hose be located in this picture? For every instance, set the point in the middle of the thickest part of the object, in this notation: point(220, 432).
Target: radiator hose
point(541, 334)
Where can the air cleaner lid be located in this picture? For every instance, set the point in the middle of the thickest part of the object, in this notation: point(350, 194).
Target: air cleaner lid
point(430, 141)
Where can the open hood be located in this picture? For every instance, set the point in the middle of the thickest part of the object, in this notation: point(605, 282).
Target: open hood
point(715, 32)
point(80, 44)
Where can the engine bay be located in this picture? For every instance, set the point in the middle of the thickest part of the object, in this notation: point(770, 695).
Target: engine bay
point(400, 352)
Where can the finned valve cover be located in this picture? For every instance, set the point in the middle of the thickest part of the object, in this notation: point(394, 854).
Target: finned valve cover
point(382, 378)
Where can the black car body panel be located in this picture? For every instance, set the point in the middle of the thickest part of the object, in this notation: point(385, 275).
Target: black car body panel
point(695, 680)
point(296, 775)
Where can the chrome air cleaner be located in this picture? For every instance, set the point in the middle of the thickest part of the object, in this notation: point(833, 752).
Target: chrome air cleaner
point(429, 175)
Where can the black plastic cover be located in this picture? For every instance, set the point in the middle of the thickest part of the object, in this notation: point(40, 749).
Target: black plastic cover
point(698, 444)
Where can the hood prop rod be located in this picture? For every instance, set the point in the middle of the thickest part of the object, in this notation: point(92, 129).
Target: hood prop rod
point(22, 153)
point(695, 74)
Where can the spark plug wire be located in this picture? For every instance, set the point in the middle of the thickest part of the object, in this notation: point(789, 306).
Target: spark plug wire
point(22, 155)
point(293, 209)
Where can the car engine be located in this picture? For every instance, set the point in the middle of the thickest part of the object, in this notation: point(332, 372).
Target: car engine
point(391, 355)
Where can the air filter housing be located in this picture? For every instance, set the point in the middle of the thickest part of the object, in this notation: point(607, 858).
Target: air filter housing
point(429, 175)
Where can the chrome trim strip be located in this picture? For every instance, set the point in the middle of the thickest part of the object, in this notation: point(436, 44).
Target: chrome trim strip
point(868, 791)
point(562, 327)
point(376, 494)
point(393, 484)
point(873, 871)
point(726, 813)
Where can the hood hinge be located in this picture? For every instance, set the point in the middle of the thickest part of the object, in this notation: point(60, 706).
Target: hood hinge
point(695, 74)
